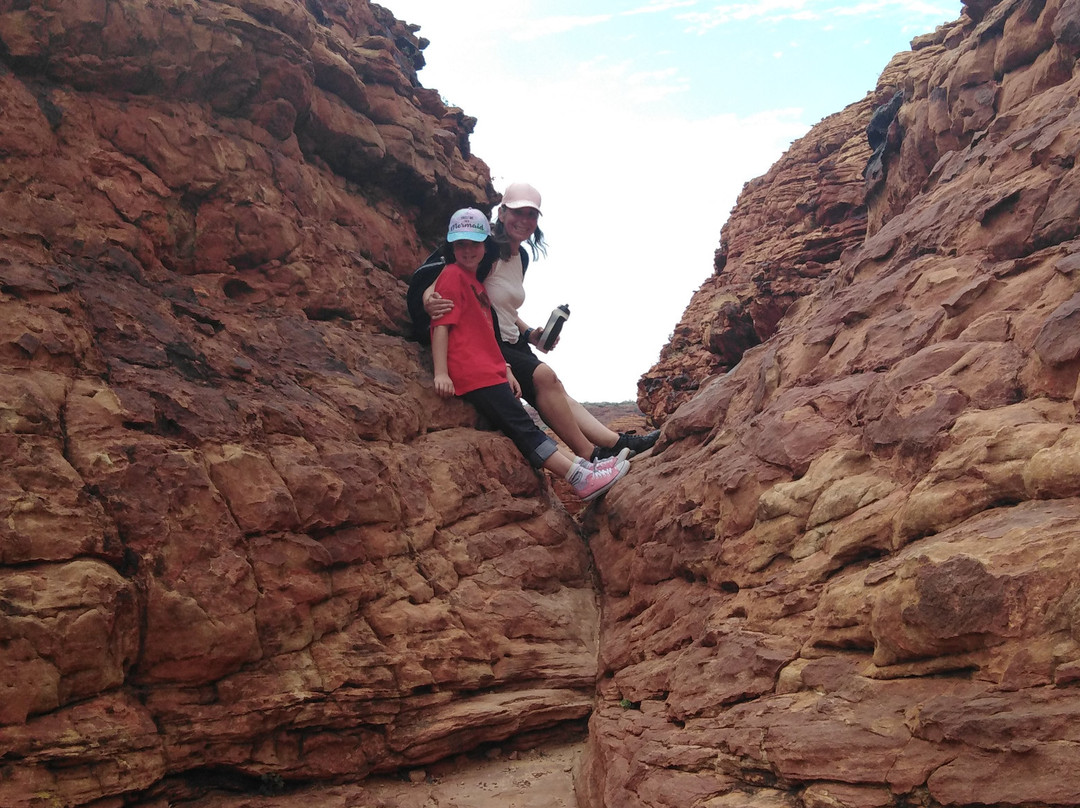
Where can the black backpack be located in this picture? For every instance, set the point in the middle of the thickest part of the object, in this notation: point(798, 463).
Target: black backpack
point(426, 274)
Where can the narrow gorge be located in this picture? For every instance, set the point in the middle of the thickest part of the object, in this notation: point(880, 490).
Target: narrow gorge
point(249, 559)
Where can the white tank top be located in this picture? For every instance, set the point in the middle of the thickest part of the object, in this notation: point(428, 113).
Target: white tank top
point(505, 287)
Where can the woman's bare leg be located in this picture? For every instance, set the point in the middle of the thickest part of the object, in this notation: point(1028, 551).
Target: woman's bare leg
point(554, 406)
point(591, 428)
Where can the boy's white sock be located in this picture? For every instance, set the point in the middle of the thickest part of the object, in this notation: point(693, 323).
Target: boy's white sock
point(578, 472)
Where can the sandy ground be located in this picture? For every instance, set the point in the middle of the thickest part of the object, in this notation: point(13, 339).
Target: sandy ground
point(538, 778)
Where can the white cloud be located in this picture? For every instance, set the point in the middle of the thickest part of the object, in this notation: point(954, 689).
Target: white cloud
point(766, 10)
point(662, 78)
point(878, 8)
point(640, 87)
point(773, 11)
point(549, 26)
point(656, 7)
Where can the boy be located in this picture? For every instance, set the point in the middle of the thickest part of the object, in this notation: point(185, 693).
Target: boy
point(469, 363)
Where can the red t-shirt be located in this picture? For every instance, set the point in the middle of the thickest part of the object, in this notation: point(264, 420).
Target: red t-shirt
point(473, 357)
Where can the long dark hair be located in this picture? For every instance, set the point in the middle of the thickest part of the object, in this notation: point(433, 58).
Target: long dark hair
point(536, 242)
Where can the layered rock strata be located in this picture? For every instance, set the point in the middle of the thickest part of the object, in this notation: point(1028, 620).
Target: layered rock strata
point(846, 576)
point(242, 541)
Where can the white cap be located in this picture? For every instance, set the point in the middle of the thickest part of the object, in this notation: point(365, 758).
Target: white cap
point(521, 195)
point(468, 224)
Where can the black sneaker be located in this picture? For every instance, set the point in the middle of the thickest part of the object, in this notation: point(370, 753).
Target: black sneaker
point(605, 452)
point(637, 443)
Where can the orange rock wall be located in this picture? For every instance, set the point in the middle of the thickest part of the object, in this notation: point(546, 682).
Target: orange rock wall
point(242, 542)
point(847, 574)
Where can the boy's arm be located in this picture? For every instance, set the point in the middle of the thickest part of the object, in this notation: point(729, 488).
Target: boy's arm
point(515, 386)
point(440, 339)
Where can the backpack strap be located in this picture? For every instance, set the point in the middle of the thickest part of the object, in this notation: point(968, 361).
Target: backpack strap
point(420, 280)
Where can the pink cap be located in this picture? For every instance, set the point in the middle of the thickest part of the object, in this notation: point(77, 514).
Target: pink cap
point(521, 195)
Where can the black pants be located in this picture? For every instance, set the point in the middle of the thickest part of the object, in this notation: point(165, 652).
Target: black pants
point(499, 404)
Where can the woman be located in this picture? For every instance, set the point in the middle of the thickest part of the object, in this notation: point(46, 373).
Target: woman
point(516, 226)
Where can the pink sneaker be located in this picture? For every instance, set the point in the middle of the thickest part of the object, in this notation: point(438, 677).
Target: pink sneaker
point(606, 463)
point(596, 481)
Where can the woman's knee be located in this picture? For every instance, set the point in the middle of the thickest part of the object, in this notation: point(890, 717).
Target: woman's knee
point(544, 378)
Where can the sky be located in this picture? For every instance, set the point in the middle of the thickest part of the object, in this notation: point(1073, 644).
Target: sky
point(639, 121)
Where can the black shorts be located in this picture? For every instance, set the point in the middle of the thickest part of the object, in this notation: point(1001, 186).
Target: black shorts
point(523, 362)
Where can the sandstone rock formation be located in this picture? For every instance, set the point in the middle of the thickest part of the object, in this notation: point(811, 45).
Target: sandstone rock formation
point(245, 548)
point(788, 229)
point(242, 541)
point(847, 575)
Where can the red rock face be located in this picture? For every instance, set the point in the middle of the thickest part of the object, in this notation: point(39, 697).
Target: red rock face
point(242, 540)
point(846, 575)
point(786, 233)
point(245, 545)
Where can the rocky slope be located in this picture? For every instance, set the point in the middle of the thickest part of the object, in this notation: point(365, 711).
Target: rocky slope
point(242, 542)
point(846, 576)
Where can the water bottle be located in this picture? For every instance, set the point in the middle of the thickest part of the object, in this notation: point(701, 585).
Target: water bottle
point(553, 327)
